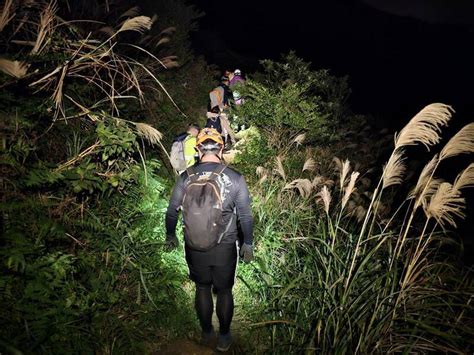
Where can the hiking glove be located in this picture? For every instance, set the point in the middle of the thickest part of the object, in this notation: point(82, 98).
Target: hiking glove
point(246, 252)
point(171, 242)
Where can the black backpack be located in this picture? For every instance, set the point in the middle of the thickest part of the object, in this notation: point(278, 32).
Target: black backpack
point(214, 122)
point(202, 210)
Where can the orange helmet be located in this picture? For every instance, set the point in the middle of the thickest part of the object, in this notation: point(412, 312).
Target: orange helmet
point(209, 133)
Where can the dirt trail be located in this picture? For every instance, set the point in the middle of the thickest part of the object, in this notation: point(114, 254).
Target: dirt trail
point(184, 346)
point(190, 347)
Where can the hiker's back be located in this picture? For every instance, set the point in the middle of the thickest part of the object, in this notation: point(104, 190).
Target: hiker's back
point(216, 98)
point(202, 210)
point(214, 121)
point(228, 182)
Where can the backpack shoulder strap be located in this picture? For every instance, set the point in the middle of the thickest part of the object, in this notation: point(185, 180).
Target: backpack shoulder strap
point(219, 170)
point(192, 175)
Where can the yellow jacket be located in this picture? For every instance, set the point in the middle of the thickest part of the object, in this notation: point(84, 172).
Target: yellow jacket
point(189, 151)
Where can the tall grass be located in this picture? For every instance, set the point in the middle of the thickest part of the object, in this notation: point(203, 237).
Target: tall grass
point(329, 282)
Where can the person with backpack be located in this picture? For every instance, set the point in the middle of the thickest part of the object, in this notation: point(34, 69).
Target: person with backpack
point(236, 78)
point(189, 143)
point(220, 95)
point(183, 152)
point(214, 120)
point(219, 121)
point(224, 84)
point(234, 82)
point(213, 198)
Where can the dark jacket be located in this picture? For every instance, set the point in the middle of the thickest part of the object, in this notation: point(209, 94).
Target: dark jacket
point(235, 196)
point(214, 121)
point(227, 93)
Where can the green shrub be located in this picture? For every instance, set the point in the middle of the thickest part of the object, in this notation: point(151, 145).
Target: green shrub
point(291, 98)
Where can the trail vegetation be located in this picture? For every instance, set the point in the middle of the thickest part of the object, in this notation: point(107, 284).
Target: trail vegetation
point(356, 249)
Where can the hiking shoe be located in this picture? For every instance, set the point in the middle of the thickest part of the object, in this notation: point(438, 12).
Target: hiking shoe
point(224, 342)
point(208, 338)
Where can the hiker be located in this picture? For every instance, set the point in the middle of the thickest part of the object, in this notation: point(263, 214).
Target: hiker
point(190, 154)
point(224, 84)
point(183, 153)
point(234, 81)
point(217, 98)
point(236, 78)
point(220, 95)
point(214, 120)
point(212, 197)
point(218, 120)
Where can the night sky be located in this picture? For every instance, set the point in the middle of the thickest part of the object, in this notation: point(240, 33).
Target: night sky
point(400, 55)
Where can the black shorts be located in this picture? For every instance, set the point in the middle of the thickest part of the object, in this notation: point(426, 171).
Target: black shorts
point(216, 266)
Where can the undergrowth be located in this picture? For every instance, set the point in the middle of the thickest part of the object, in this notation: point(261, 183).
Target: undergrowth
point(337, 273)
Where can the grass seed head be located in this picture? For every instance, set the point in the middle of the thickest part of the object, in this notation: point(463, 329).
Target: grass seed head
point(15, 68)
point(139, 24)
point(148, 132)
point(325, 196)
point(425, 126)
point(309, 165)
point(445, 204)
point(349, 188)
point(279, 166)
point(465, 178)
point(394, 170)
point(461, 143)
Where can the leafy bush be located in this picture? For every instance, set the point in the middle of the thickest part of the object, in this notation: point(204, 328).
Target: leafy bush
point(291, 98)
point(253, 151)
point(82, 206)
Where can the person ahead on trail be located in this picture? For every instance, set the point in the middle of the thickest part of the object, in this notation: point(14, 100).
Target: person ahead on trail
point(216, 98)
point(220, 95)
point(183, 152)
point(224, 84)
point(219, 121)
point(227, 92)
point(214, 120)
point(236, 78)
point(213, 198)
point(190, 144)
